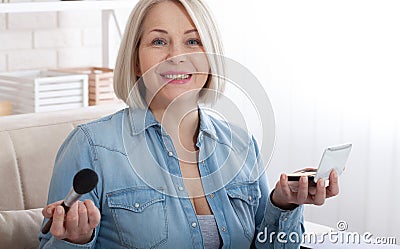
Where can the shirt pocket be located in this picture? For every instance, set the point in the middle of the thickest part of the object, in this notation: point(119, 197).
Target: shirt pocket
point(140, 216)
point(244, 198)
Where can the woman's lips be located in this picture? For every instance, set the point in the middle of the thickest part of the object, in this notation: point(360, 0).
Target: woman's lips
point(173, 77)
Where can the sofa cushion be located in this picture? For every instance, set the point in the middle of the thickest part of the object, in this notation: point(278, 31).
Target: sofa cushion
point(20, 229)
point(36, 148)
point(10, 185)
point(28, 147)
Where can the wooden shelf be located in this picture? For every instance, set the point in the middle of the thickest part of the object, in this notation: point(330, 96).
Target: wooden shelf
point(25, 7)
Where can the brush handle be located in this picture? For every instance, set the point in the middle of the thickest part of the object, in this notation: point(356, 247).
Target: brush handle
point(47, 226)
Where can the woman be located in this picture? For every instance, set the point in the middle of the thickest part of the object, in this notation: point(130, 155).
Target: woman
point(163, 62)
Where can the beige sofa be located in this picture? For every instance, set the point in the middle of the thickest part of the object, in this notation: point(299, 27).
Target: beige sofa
point(28, 146)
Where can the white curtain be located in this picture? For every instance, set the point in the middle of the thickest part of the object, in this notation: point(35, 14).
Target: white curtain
point(332, 71)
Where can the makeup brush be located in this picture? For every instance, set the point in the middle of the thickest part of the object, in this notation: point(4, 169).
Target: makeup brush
point(84, 182)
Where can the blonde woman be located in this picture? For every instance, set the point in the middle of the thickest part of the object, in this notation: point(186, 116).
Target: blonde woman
point(168, 63)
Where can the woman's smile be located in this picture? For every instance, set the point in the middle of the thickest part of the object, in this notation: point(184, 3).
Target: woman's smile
point(174, 77)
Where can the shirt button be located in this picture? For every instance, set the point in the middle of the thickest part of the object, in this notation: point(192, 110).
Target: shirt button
point(211, 195)
point(194, 224)
point(223, 229)
point(250, 198)
point(136, 205)
point(180, 188)
point(170, 153)
point(285, 219)
point(202, 161)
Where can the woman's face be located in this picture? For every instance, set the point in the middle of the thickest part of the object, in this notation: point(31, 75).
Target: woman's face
point(171, 61)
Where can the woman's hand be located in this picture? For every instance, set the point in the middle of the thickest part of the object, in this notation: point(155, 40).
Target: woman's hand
point(77, 225)
point(285, 198)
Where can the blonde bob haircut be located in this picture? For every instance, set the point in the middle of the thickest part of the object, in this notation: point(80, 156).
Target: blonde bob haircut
point(126, 68)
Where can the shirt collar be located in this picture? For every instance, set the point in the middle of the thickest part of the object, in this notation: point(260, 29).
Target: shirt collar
point(206, 124)
point(142, 119)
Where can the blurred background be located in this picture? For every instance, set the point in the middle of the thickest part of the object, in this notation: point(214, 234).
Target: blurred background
point(331, 70)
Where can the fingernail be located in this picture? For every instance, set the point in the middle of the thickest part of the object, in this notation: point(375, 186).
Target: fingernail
point(304, 179)
point(283, 177)
point(59, 210)
point(48, 210)
point(322, 183)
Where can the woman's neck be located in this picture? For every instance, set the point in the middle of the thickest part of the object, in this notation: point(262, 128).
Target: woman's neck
point(181, 121)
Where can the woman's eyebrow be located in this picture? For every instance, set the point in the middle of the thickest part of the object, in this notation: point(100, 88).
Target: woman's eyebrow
point(191, 31)
point(158, 30)
point(166, 32)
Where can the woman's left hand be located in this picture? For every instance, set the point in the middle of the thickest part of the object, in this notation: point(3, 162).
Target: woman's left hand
point(285, 198)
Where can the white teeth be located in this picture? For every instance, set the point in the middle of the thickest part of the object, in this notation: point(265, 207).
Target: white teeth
point(176, 76)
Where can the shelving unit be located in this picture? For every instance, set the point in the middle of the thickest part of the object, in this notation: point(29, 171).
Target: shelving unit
point(107, 8)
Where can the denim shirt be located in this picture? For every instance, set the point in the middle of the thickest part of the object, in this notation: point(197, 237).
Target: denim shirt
point(141, 195)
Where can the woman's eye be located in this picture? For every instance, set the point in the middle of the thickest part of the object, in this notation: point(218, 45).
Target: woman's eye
point(158, 42)
point(194, 42)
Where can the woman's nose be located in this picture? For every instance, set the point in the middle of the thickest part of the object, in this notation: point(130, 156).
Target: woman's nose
point(176, 54)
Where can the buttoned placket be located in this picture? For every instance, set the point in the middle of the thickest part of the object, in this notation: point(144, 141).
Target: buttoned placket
point(213, 196)
point(174, 168)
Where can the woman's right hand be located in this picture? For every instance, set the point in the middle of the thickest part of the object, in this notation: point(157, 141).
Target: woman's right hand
point(77, 225)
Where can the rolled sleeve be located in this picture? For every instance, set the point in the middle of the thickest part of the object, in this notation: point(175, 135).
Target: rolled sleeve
point(281, 228)
point(62, 244)
point(283, 219)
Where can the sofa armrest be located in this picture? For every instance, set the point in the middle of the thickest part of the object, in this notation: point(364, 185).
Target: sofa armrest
point(20, 229)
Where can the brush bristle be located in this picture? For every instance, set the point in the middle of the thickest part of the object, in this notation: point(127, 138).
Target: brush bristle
point(84, 181)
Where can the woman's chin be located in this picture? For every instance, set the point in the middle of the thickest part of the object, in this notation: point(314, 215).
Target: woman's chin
point(177, 100)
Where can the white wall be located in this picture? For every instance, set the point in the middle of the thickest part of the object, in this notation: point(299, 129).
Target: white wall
point(49, 39)
point(331, 69)
point(41, 40)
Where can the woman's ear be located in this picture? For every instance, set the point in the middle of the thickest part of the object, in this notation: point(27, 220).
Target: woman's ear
point(138, 73)
point(137, 67)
